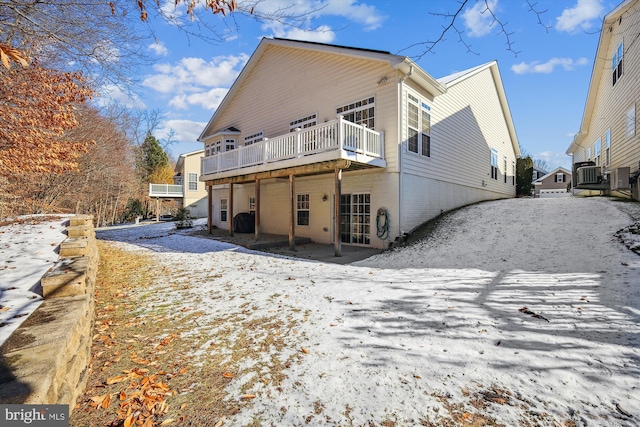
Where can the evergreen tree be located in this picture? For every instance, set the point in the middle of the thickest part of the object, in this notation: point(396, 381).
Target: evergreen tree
point(152, 157)
point(524, 176)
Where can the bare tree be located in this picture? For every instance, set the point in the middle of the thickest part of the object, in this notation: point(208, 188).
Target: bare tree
point(108, 40)
point(541, 164)
point(451, 25)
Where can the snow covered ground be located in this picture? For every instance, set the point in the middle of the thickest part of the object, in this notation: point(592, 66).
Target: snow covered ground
point(27, 250)
point(526, 311)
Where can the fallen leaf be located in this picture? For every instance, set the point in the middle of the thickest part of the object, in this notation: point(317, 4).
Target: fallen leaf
point(304, 350)
point(418, 377)
point(248, 396)
point(115, 379)
point(167, 422)
point(218, 424)
point(227, 375)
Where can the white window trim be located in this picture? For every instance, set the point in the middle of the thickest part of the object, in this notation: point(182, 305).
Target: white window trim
point(494, 163)
point(607, 139)
point(630, 121)
point(190, 181)
point(360, 106)
point(303, 122)
point(224, 207)
point(303, 205)
point(423, 136)
point(252, 139)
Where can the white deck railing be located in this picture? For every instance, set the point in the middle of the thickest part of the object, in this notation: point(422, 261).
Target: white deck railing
point(165, 190)
point(338, 134)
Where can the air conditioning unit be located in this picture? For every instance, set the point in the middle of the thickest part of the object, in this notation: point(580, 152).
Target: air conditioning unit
point(620, 178)
point(589, 175)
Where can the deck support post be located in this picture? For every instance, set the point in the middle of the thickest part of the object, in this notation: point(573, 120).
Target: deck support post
point(157, 209)
point(257, 210)
point(337, 244)
point(230, 209)
point(210, 209)
point(292, 212)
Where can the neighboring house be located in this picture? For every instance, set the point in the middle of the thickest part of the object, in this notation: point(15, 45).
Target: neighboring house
point(187, 190)
point(354, 146)
point(606, 150)
point(537, 173)
point(554, 184)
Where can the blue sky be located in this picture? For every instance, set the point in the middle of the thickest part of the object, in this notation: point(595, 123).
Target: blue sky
point(546, 73)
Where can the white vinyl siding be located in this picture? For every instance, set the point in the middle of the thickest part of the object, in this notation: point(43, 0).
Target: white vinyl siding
point(275, 204)
point(613, 108)
point(463, 130)
point(266, 100)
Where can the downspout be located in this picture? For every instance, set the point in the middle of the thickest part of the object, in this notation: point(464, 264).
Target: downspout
point(400, 160)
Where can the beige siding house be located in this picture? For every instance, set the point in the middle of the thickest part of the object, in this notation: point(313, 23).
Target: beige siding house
point(187, 189)
point(354, 146)
point(554, 184)
point(606, 150)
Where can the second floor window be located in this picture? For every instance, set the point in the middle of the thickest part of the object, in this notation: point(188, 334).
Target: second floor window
point(252, 139)
point(630, 121)
point(616, 64)
point(418, 126)
point(361, 112)
point(607, 146)
point(193, 181)
point(559, 177)
point(494, 163)
point(303, 122)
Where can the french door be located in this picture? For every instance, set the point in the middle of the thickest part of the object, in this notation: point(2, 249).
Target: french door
point(355, 218)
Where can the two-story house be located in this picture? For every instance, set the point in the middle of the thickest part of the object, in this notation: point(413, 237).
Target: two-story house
point(187, 190)
point(606, 150)
point(553, 184)
point(354, 146)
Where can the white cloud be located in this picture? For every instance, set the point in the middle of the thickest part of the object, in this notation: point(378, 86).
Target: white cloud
point(322, 34)
point(478, 19)
point(110, 93)
point(184, 131)
point(159, 48)
point(194, 74)
point(547, 67)
point(302, 13)
point(580, 17)
point(352, 10)
point(209, 100)
point(554, 159)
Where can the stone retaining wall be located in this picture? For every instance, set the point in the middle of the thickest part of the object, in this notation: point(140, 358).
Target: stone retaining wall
point(45, 360)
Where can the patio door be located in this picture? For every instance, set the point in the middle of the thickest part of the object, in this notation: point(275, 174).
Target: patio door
point(355, 218)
